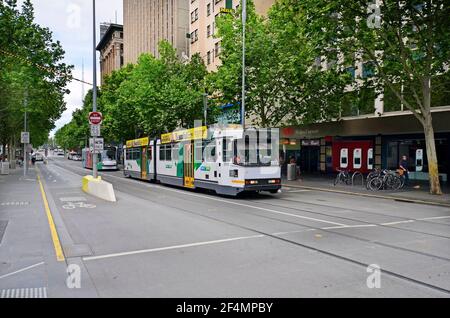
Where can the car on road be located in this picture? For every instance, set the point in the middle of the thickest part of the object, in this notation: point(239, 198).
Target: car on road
point(38, 156)
point(76, 157)
point(71, 155)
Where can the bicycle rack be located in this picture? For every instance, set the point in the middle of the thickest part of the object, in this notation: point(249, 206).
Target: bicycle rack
point(356, 174)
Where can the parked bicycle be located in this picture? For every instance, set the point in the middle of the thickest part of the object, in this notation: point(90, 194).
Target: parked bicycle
point(385, 180)
point(343, 177)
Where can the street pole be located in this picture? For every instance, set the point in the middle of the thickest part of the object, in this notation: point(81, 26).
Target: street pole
point(205, 108)
point(25, 124)
point(244, 21)
point(94, 91)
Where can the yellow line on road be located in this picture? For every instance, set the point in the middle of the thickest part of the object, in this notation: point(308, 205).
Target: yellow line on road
point(54, 233)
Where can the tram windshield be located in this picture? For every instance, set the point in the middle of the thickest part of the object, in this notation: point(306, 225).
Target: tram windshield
point(257, 147)
point(109, 154)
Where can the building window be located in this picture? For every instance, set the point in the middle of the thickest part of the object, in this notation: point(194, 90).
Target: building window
point(208, 9)
point(217, 49)
point(194, 15)
point(208, 31)
point(209, 57)
point(194, 36)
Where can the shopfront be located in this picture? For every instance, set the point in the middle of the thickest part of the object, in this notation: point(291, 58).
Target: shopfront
point(366, 143)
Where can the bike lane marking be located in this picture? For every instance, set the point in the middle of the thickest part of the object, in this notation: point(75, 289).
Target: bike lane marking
point(54, 233)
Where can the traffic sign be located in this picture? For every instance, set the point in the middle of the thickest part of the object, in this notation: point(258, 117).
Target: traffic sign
point(25, 137)
point(95, 131)
point(95, 118)
point(99, 144)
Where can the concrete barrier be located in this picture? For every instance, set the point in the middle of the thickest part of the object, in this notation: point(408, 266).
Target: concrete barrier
point(99, 188)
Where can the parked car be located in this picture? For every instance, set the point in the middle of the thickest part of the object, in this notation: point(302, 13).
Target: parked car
point(76, 158)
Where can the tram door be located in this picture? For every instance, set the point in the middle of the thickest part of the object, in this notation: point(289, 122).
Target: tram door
point(144, 159)
point(189, 165)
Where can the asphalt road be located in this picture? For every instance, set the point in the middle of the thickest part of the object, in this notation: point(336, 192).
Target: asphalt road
point(160, 241)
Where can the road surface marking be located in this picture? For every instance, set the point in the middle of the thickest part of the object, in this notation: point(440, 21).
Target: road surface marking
point(434, 218)
point(73, 199)
point(398, 222)
point(54, 233)
point(22, 270)
point(254, 207)
point(229, 202)
point(24, 293)
point(94, 258)
point(349, 227)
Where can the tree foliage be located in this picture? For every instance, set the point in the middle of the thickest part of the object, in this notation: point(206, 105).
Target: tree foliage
point(31, 73)
point(283, 85)
point(406, 42)
point(154, 96)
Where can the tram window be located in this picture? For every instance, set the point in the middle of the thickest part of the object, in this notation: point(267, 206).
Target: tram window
point(227, 149)
point(199, 151)
point(175, 153)
point(162, 153)
point(169, 153)
point(136, 153)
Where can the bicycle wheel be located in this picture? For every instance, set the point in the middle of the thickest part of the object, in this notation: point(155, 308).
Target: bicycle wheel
point(336, 181)
point(396, 183)
point(375, 184)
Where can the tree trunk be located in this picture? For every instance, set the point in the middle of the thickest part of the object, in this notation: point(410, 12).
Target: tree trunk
point(435, 186)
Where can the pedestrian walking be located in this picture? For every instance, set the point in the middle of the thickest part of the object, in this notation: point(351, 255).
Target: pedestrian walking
point(404, 167)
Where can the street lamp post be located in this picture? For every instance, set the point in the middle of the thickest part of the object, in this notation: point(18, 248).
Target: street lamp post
point(94, 90)
point(244, 21)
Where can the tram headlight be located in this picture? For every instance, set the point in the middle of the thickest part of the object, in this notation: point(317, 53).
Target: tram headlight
point(251, 182)
point(274, 181)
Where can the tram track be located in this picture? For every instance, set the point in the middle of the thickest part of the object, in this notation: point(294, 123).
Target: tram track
point(356, 220)
point(391, 273)
point(355, 210)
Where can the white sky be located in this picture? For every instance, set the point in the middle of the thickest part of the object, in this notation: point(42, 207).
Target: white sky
point(71, 24)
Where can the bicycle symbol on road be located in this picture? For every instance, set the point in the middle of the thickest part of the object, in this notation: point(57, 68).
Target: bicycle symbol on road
point(80, 205)
point(76, 203)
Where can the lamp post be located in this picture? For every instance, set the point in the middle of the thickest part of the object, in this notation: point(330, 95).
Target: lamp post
point(244, 21)
point(94, 90)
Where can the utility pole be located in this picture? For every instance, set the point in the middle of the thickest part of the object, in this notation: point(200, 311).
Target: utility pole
point(244, 21)
point(94, 90)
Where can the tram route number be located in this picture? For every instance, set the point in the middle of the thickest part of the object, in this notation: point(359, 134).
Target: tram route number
point(226, 308)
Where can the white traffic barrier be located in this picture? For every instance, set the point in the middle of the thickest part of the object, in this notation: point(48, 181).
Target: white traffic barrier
point(99, 188)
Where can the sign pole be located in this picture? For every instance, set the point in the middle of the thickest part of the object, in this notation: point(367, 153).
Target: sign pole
point(94, 91)
point(25, 130)
point(244, 21)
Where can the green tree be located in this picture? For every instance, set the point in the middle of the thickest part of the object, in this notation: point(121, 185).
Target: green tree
point(31, 73)
point(282, 84)
point(407, 42)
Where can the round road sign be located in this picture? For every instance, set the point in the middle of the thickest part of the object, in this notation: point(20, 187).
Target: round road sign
point(95, 118)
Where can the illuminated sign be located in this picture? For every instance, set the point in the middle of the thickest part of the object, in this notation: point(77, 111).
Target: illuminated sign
point(185, 135)
point(138, 143)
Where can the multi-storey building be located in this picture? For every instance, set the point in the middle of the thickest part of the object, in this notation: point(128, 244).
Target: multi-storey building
point(147, 22)
point(203, 14)
point(111, 48)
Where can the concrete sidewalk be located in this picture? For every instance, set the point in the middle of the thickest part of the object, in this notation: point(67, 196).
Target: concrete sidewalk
point(411, 194)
